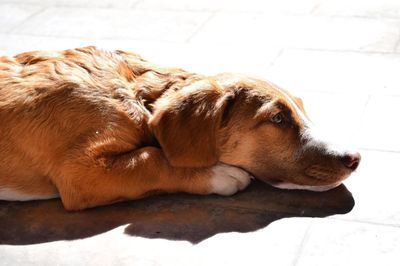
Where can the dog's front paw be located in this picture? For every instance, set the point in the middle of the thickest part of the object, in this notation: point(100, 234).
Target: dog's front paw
point(227, 180)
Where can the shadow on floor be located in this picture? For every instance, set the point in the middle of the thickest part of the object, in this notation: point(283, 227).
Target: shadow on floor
point(177, 217)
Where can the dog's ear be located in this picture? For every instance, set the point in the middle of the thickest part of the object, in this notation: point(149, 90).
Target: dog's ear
point(186, 124)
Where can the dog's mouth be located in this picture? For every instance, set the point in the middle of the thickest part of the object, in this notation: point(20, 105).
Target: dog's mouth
point(321, 175)
point(326, 175)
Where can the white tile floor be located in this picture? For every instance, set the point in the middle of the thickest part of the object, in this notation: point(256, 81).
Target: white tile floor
point(350, 243)
point(341, 56)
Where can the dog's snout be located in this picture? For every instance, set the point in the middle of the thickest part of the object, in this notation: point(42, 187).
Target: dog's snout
point(351, 160)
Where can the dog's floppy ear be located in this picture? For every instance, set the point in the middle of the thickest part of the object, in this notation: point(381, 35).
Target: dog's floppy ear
point(186, 124)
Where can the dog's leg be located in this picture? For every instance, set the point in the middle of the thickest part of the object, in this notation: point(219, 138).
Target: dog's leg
point(137, 174)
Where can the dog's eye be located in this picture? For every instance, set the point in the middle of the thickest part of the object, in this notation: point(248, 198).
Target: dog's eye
point(278, 118)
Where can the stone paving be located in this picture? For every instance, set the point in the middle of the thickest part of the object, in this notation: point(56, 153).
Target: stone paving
point(341, 56)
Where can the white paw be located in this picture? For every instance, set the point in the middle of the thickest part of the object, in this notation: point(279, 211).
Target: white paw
point(227, 180)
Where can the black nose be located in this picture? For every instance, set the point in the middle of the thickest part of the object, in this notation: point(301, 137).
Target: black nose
point(351, 160)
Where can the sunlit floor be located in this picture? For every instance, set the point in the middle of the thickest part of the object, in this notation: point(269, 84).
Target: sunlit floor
point(341, 56)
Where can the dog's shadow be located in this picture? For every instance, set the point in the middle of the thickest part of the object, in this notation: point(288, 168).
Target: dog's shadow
point(176, 216)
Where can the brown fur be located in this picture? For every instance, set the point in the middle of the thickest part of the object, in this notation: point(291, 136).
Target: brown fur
point(99, 127)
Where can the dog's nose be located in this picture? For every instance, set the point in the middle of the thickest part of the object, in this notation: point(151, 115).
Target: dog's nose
point(351, 160)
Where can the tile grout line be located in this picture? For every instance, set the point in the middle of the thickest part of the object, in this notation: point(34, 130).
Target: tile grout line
point(311, 14)
point(278, 55)
point(135, 4)
point(201, 26)
point(360, 17)
point(303, 243)
point(132, 7)
point(384, 94)
point(397, 43)
point(26, 19)
point(360, 121)
point(379, 150)
point(91, 38)
point(349, 220)
point(343, 51)
point(315, 7)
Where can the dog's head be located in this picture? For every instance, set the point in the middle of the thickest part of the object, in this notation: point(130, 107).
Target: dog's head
point(252, 124)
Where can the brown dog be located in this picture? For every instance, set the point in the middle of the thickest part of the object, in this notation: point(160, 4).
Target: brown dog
point(95, 127)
